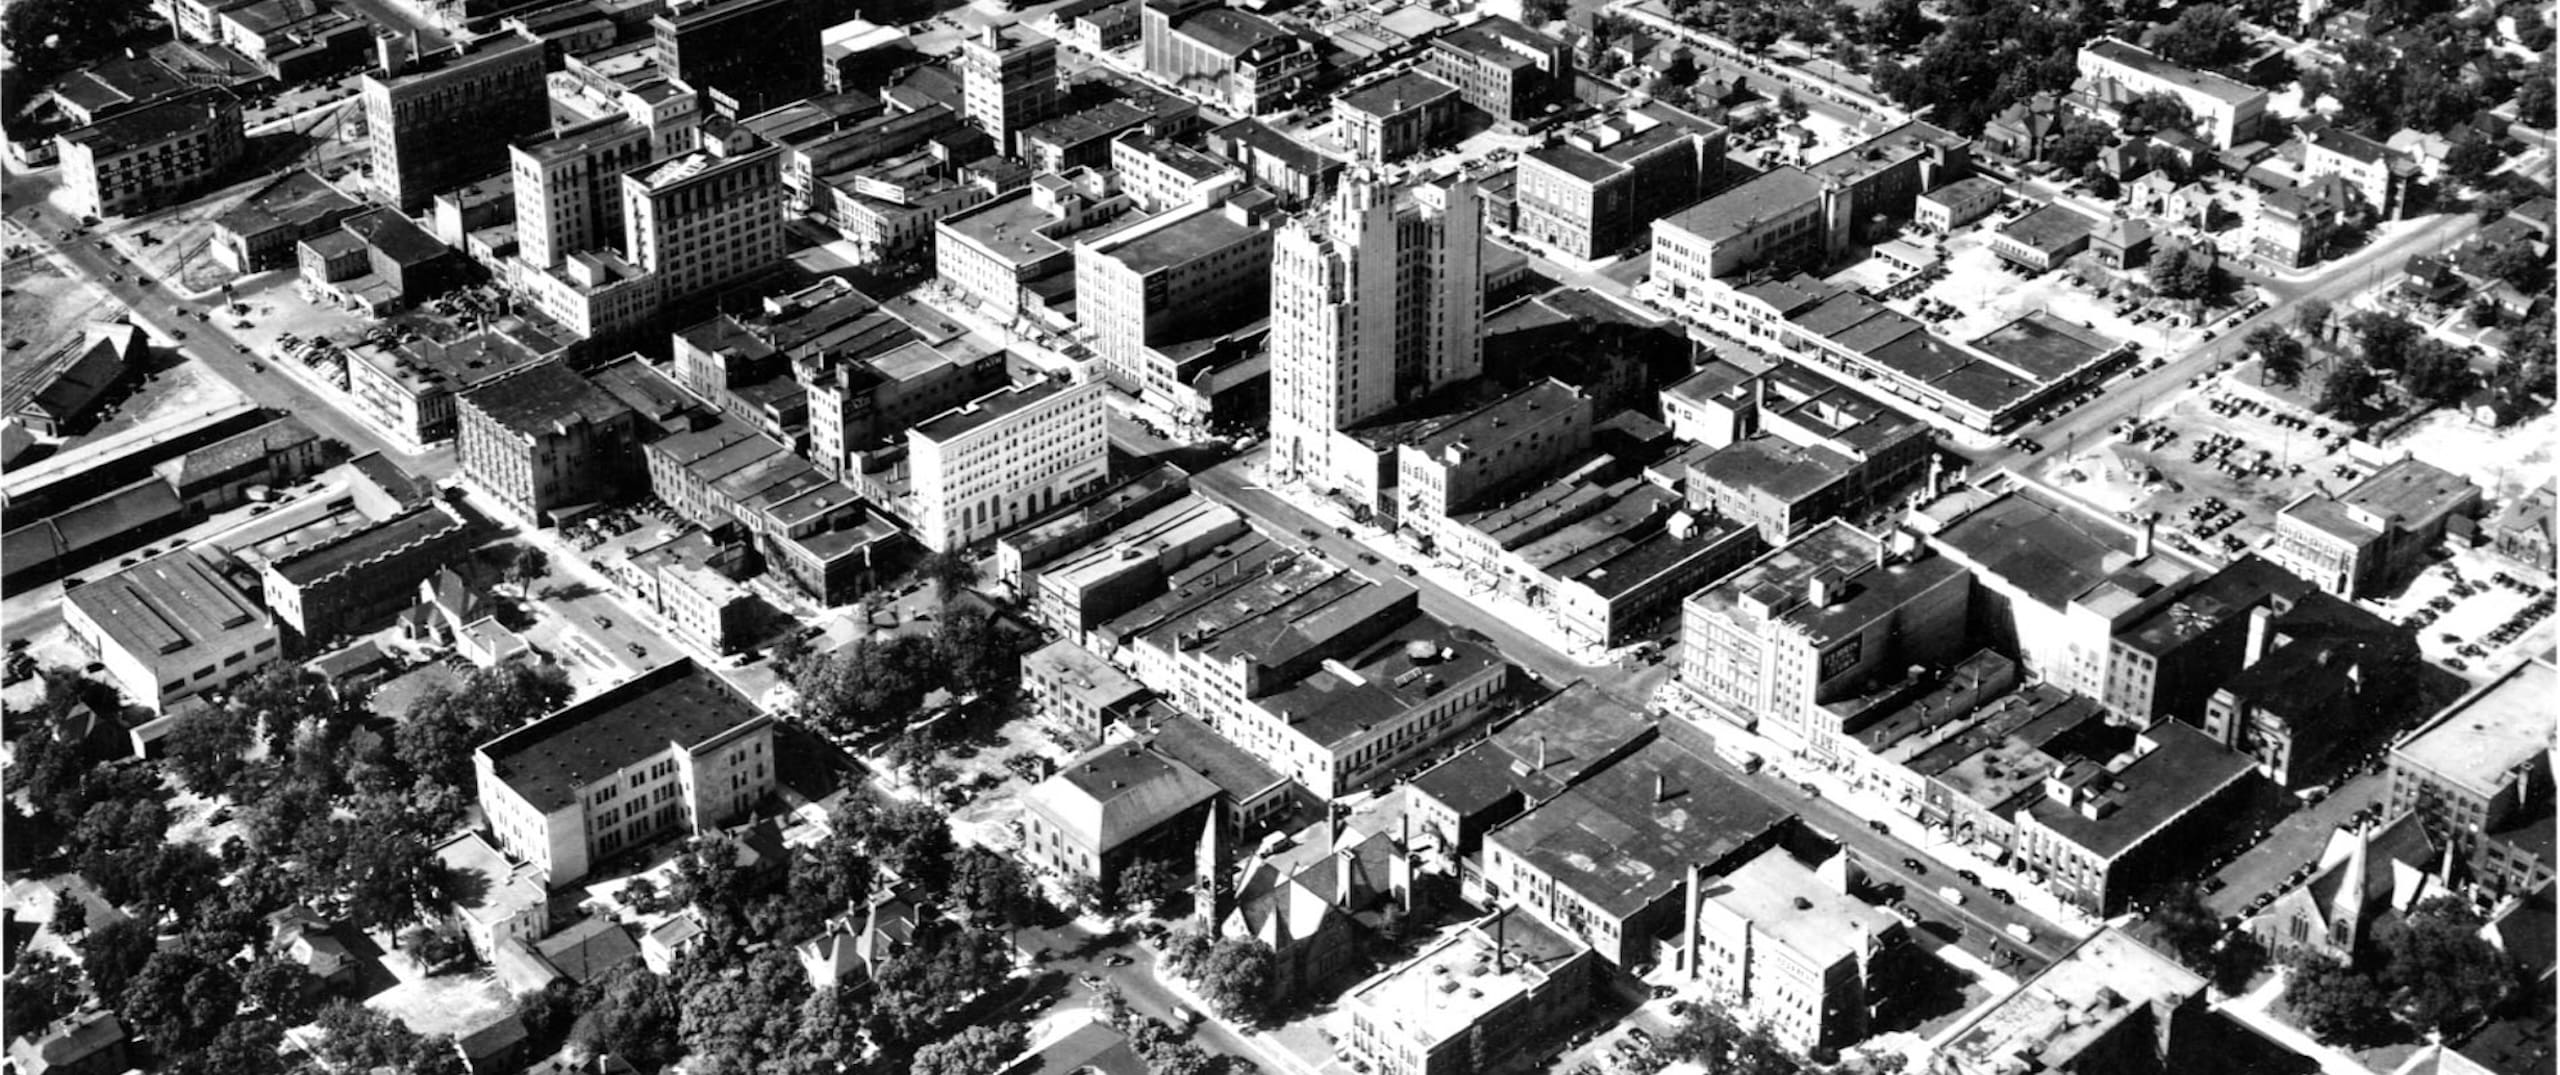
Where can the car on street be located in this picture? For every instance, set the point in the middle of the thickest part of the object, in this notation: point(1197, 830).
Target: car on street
point(2003, 896)
point(1879, 827)
point(638, 650)
point(1970, 877)
point(604, 621)
point(1914, 865)
point(1117, 959)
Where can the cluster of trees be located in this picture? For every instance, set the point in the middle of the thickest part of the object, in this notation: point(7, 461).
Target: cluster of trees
point(2430, 968)
point(333, 808)
point(1163, 1048)
point(876, 685)
point(1711, 1036)
point(1989, 55)
point(2431, 372)
point(47, 38)
point(2180, 923)
point(2203, 36)
point(2183, 271)
point(2422, 82)
point(1232, 973)
point(742, 1002)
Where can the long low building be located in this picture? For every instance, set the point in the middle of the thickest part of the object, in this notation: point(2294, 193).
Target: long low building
point(173, 627)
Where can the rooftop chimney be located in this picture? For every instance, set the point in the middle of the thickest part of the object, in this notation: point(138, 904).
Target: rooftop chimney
point(2142, 545)
point(1689, 924)
point(2259, 617)
point(1661, 787)
point(1542, 752)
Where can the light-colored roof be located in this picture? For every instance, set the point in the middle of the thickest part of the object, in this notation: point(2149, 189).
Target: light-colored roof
point(2479, 741)
point(1117, 794)
point(2072, 1004)
point(1786, 902)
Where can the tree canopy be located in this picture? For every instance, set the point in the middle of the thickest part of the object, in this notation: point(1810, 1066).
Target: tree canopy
point(2206, 36)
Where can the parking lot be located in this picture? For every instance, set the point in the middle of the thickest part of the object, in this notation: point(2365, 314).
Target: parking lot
point(2474, 613)
point(1979, 292)
point(2211, 468)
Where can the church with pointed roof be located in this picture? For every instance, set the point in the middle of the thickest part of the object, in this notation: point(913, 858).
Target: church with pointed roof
point(2363, 876)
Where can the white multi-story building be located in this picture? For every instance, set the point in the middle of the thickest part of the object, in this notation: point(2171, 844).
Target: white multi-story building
point(2227, 113)
point(675, 749)
point(701, 221)
point(568, 187)
point(1007, 457)
point(1179, 275)
point(1791, 950)
point(1378, 302)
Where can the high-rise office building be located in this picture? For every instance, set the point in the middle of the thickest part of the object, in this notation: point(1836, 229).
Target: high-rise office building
point(1377, 302)
point(702, 221)
point(443, 122)
point(746, 56)
point(1008, 81)
point(569, 187)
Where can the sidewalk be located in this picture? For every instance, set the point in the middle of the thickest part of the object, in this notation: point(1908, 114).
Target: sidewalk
point(1263, 1042)
point(1787, 760)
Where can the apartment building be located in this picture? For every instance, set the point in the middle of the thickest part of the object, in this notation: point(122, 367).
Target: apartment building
point(440, 122)
point(151, 155)
point(1005, 458)
point(1008, 81)
point(173, 627)
point(2479, 776)
point(745, 56)
point(409, 390)
point(857, 405)
point(674, 750)
point(2380, 175)
point(1012, 254)
point(1376, 303)
point(1816, 621)
point(2370, 537)
point(568, 187)
point(600, 301)
point(2114, 73)
point(1503, 69)
point(1597, 190)
point(700, 222)
point(1180, 275)
point(543, 438)
point(2105, 831)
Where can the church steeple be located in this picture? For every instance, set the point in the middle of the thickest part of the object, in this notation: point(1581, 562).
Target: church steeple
point(1210, 887)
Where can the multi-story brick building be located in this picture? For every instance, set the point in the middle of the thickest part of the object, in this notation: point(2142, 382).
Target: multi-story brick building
point(147, 156)
point(568, 187)
point(1598, 189)
point(2369, 537)
point(672, 750)
point(1004, 459)
point(363, 578)
point(1395, 118)
point(744, 55)
point(700, 223)
point(1180, 275)
point(1009, 80)
point(446, 120)
point(543, 438)
point(2479, 776)
point(1504, 69)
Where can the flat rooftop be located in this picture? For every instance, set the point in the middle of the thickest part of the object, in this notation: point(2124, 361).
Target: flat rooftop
point(1766, 196)
point(170, 610)
point(157, 122)
point(2479, 741)
point(2044, 347)
point(2183, 770)
point(680, 703)
point(988, 409)
point(1619, 842)
point(2411, 490)
point(1552, 745)
point(1787, 902)
point(2205, 82)
point(1447, 990)
point(1195, 234)
point(1397, 96)
point(2055, 552)
point(543, 399)
point(1116, 794)
point(1235, 770)
point(2226, 595)
point(1775, 468)
point(1496, 424)
point(2049, 229)
point(1778, 577)
point(2073, 1003)
point(295, 200)
point(1388, 679)
point(426, 522)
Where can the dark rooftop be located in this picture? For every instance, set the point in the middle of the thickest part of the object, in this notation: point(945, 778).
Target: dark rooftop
point(543, 398)
point(1398, 95)
point(2049, 229)
point(1765, 196)
point(2053, 552)
point(2186, 768)
point(2227, 595)
point(293, 200)
point(1560, 741)
point(1619, 841)
point(547, 761)
point(159, 121)
point(359, 547)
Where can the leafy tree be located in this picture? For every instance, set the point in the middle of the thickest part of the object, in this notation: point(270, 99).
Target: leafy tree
point(1180, 1058)
point(1236, 977)
point(383, 882)
point(871, 685)
point(2440, 970)
point(2438, 373)
point(243, 1047)
point(2382, 339)
point(1143, 882)
point(356, 1037)
point(527, 565)
point(1897, 24)
point(179, 1000)
point(1112, 1006)
point(911, 841)
point(983, 657)
point(744, 1015)
point(2517, 264)
point(2338, 1004)
point(993, 889)
point(2311, 318)
point(2470, 159)
point(280, 989)
point(177, 878)
point(43, 987)
point(2535, 94)
point(2076, 149)
point(2204, 36)
point(46, 37)
point(2181, 271)
point(789, 652)
point(113, 953)
point(2160, 112)
point(944, 968)
point(1542, 12)
point(205, 747)
point(2279, 352)
point(950, 572)
point(973, 1051)
point(2184, 925)
point(634, 1016)
point(1186, 949)
point(710, 875)
point(2238, 961)
point(2348, 388)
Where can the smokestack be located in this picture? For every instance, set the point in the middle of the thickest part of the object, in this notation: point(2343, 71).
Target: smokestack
point(1661, 787)
point(1689, 924)
point(1542, 752)
point(2142, 545)
point(2259, 617)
